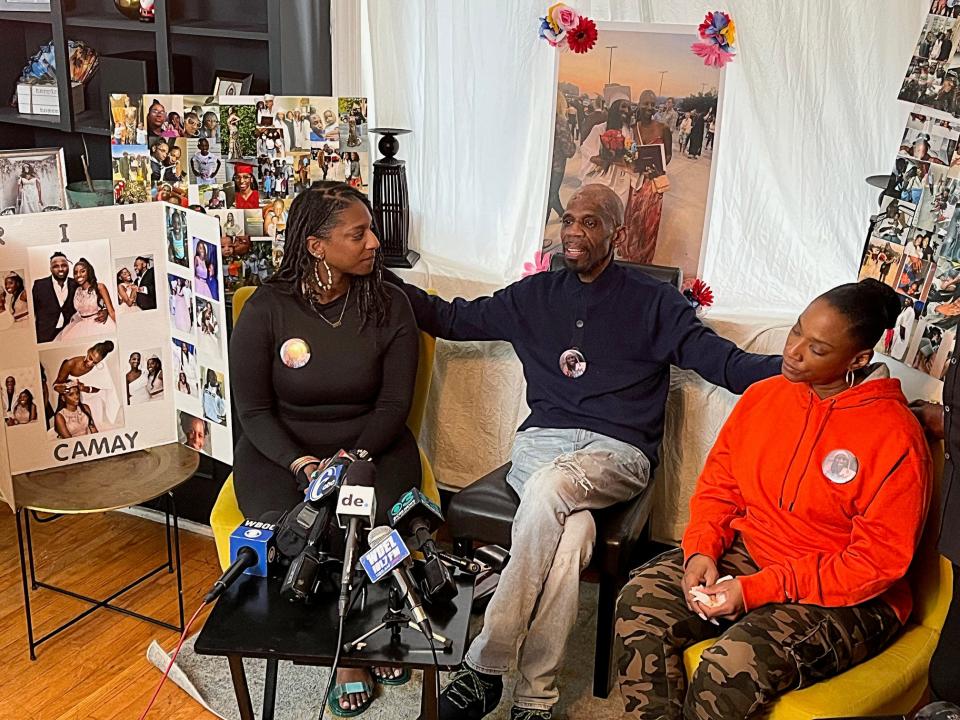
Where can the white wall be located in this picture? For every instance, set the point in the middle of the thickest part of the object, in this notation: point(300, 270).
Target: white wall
point(810, 110)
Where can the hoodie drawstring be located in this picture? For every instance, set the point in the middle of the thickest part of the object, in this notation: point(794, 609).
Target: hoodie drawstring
point(816, 440)
point(783, 485)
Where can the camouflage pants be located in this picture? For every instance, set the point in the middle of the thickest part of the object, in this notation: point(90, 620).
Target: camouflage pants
point(768, 651)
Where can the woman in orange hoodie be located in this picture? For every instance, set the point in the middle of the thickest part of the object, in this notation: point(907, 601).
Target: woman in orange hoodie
point(804, 521)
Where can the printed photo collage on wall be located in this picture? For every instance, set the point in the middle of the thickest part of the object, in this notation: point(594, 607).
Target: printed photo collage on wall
point(932, 79)
point(197, 340)
point(242, 159)
point(913, 244)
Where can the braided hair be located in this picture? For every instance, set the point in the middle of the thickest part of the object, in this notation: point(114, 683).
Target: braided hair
point(316, 212)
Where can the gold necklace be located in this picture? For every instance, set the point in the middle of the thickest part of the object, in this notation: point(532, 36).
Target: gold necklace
point(339, 321)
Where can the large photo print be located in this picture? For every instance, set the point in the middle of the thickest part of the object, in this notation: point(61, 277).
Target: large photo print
point(638, 114)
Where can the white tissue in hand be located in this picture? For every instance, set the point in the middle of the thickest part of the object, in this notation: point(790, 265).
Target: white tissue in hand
point(710, 601)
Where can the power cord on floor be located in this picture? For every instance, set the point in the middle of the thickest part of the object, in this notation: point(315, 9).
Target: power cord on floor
point(173, 659)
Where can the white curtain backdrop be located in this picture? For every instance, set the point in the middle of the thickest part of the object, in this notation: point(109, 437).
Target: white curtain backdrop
point(809, 111)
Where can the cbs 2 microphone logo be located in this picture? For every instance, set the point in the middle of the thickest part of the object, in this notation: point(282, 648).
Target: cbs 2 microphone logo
point(322, 483)
point(379, 561)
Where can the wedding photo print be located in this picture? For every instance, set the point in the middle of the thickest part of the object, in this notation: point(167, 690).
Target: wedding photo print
point(32, 181)
point(640, 118)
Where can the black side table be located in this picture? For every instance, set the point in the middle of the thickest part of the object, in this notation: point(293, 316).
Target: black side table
point(251, 620)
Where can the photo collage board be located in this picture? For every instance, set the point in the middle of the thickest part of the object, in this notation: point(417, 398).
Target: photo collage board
point(913, 244)
point(111, 347)
point(241, 158)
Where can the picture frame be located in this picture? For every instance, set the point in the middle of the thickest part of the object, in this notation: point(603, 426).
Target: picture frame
point(49, 191)
point(228, 82)
point(24, 5)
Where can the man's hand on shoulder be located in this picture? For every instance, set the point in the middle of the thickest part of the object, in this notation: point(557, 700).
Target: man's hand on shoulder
point(930, 416)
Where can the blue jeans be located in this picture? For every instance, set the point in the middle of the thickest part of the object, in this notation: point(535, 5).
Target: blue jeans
point(560, 475)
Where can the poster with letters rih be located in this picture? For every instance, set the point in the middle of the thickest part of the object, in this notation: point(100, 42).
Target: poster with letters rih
point(113, 327)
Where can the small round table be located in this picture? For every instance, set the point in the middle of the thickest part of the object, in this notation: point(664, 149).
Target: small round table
point(99, 486)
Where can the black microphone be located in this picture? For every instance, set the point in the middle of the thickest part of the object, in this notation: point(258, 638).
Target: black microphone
point(408, 589)
point(356, 507)
point(417, 516)
point(253, 550)
point(304, 527)
point(313, 515)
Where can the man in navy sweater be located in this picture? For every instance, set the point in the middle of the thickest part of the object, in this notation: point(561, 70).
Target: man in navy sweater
point(596, 343)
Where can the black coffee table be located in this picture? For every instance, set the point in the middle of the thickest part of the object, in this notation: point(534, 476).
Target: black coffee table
point(252, 620)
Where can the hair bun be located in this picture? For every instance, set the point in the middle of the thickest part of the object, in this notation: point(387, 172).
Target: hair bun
point(108, 345)
point(890, 303)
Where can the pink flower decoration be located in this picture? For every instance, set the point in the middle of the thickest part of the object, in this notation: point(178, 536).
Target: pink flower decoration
point(712, 55)
point(541, 263)
point(564, 16)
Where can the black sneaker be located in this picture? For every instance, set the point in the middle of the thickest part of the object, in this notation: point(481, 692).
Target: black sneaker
point(470, 695)
point(519, 713)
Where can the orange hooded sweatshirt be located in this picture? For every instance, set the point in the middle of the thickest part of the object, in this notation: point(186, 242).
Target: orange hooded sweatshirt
point(830, 496)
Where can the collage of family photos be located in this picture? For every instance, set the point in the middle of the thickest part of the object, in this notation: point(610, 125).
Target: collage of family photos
point(76, 300)
point(932, 77)
point(197, 340)
point(242, 158)
point(913, 244)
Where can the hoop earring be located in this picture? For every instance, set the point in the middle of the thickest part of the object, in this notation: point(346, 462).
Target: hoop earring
point(324, 286)
point(851, 378)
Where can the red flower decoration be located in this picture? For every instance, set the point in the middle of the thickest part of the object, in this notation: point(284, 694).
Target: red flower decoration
point(698, 293)
point(583, 37)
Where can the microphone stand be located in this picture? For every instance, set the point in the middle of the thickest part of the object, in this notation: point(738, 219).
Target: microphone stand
point(394, 619)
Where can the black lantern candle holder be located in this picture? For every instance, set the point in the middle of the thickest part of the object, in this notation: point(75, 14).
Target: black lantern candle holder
point(391, 201)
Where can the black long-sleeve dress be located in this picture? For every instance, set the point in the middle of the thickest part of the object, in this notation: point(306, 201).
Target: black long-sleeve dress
point(355, 391)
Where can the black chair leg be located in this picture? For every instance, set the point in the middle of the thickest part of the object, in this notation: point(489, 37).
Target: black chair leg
point(603, 667)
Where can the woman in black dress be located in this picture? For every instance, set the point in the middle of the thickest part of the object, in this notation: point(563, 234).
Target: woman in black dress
point(323, 357)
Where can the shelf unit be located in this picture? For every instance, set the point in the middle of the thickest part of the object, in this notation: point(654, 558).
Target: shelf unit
point(182, 49)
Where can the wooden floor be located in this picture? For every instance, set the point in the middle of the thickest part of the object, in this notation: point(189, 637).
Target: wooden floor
point(97, 669)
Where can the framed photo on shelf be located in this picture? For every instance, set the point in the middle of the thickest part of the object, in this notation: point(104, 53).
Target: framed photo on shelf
point(32, 181)
point(25, 5)
point(227, 82)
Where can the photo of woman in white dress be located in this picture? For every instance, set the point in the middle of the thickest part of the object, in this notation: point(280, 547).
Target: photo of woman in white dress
point(137, 392)
point(90, 299)
point(155, 377)
point(181, 303)
point(29, 191)
point(144, 386)
point(98, 391)
point(127, 291)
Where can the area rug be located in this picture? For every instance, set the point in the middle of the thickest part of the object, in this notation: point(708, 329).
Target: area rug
point(207, 680)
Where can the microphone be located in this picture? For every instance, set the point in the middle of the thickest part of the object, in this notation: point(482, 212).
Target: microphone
point(389, 554)
point(312, 516)
point(418, 516)
point(356, 506)
point(253, 549)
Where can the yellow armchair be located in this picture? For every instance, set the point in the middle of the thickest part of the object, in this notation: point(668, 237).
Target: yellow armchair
point(226, 514)
point(893, 682)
